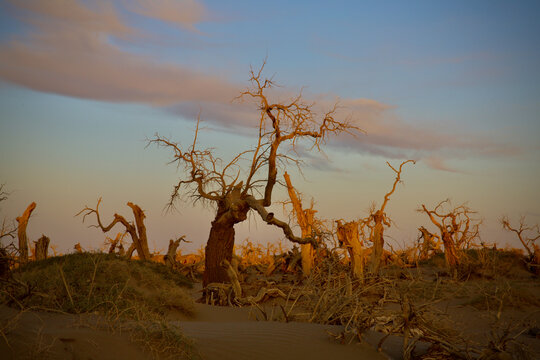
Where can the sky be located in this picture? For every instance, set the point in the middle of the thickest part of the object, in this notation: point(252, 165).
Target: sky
point(84, 84)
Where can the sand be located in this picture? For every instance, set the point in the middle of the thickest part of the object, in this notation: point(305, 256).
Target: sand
point(218, 332)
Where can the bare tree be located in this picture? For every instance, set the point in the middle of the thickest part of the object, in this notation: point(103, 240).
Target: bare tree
point(377, 220)
point(349, 236)
point(21, 232)
point(455, 229)
point(170, 257)
point(210, 179)
point(305, 218)
point(7, 230)
point(137, 231)
point(528, 241)
point(428, 243)
point(116, 243)
point(42, 247)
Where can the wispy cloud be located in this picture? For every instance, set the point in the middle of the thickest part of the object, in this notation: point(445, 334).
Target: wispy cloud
point(438, 163)
point(69, 48)
point(183, 13)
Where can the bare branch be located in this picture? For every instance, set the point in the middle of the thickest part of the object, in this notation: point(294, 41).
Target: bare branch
point(270, 219)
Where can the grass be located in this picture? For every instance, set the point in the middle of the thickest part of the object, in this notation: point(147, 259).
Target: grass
point(133, 296)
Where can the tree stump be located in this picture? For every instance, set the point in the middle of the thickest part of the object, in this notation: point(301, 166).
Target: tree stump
point(21, 232)
point(42, 247)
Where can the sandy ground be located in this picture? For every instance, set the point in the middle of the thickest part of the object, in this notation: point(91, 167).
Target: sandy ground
point(219, 333)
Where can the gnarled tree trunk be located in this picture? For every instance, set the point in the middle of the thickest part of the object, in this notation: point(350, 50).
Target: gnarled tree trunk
point(450, 253)
point(21, 232)
point(305, 220)
point(170, 258)
point(307, 249)
point(139, 238)
point(378, 242)
point(348, 235)
point(219, 247)
point(42, 246)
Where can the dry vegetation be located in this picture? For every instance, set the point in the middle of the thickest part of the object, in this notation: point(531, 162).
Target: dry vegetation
point(448, 296)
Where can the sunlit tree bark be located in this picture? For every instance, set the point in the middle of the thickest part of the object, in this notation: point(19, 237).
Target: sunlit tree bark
point(349, 237)
point(137, 231)
point(305, 218)
point(21, 232)
point(455, 230)
point(528, 241)
point(377, 221)
point(42, 247)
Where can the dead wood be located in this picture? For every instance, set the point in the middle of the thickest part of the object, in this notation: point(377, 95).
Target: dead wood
point(455, 231)
point(247, 181)
point(527, 240)
point(78, 248)
point(42, 247)
point(305, 218)
point(21, 232)
point(378, 219)
point(137, 231)
point(116, 242)
point(170, 257)
point(348, 235)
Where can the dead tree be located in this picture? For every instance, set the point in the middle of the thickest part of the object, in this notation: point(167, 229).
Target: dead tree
point(116, 242)
point(247, 181)
point(21, 232)
point(78, 248)
point(42, 247)
point(137, 231)
point(377, 221)
point(170, 257)
point(428, 243)
point(455, 229)
point(528, 241)
point(305, 218)
point(6, 230)
point(348, 236)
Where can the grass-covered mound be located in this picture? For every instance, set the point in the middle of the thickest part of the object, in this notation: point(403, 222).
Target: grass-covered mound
point(128, 295)
point(96, 282)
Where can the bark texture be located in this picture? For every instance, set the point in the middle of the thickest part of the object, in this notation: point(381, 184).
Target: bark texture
point(349, 236)
point(42, 247)
point(21, 232)
point(305, 218)
point(137, 231)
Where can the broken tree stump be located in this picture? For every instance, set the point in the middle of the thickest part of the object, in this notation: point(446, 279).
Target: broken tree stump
point(42, 247)
point(21, 232)
point(170, 257)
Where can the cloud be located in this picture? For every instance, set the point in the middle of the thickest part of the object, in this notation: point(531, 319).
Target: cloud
point(70, 52)
point(71, 48)
point(438, 163)
point(184, 13)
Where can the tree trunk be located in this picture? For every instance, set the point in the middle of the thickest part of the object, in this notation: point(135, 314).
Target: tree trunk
point(450, 253)
point(21, 232)
point(170, 258)
point(348, 235)
point(130, 250)
point(42, 246)
point(140, 241)
point(218, 248)
point(307, 249)
point(378, 244)
point(305, 220)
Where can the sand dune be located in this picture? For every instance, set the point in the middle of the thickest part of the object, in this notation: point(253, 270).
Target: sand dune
point(219, 333)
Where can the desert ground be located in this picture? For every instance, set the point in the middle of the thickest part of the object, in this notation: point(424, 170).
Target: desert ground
point(93, 305)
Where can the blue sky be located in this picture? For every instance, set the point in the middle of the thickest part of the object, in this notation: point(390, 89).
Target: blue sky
point(454, 85)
